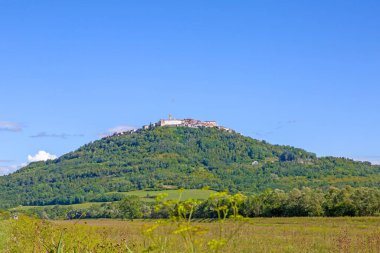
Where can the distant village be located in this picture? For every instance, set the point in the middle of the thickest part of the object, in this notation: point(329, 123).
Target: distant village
point(171, 122)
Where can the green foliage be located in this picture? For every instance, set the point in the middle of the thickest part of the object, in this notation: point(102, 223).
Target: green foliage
point(222, 205)
point(177, 157)
point(352, 202)
point(131, 207)
point(305, 202)
point(348, 201)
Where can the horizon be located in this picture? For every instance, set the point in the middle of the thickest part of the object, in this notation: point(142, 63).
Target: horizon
point(298, 74)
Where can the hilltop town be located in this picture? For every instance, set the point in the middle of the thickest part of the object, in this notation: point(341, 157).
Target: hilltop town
point(171, 122)
point(194, 123)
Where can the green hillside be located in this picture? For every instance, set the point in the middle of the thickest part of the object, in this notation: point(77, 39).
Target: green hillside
point(173, 157)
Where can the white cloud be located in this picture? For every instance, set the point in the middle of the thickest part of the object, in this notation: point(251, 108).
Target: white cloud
point(120, 129)
point(117, 129)
point(5, 170)
point(10, 126)
point(41, 156)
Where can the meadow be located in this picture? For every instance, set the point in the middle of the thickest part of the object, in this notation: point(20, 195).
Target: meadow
point(215, 224)
point(347, 234)
point(144, 195)
point(4, 233)
point(183, 195)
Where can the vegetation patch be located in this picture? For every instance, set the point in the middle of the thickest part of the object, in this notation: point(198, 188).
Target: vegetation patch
point(172, 194)
point(255, 235)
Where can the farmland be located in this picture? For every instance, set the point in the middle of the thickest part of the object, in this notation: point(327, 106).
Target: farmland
point(253, 235)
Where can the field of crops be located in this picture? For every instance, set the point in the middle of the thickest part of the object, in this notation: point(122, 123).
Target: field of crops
point(253, 235)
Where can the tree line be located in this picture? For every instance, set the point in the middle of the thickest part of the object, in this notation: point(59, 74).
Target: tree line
point(334, 202)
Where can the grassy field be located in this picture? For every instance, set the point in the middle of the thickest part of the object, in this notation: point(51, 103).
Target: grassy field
point(253, 235)
point(4, 226)
point(75, 206)
point(172, 194)
point(147, 196)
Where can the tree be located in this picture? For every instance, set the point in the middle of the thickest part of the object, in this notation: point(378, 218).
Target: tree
point(339, 203)
point(252, 206)
point(305, 202)
point(273, 202)
point(287, 156)
point(131, 207)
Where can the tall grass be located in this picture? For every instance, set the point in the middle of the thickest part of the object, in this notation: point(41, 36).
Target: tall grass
point(181, 233)
point(4, 233)
point(360, 235)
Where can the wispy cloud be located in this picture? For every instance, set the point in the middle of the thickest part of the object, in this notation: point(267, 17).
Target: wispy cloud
point(41, 156)
point(117, 129)
point(373, 159)
point(10, 126)
point(52, 135)
point(280, 125)
point(7, 167)
point(6, 161)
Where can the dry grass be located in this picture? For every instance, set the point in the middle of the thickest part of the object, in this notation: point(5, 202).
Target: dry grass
point(4, 226)
point(267, 235)
point(254, 235)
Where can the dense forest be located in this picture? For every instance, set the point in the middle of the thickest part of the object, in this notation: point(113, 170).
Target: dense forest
point(178, 157)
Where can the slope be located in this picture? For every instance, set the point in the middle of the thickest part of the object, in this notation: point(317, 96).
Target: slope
point(177, 157)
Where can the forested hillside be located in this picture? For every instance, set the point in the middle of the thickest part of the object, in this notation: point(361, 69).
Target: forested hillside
point(169, 157)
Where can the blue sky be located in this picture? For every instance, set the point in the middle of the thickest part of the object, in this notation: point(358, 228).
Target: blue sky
point(301, 73)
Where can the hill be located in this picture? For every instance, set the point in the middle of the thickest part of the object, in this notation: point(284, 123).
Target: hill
point(173, 157)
